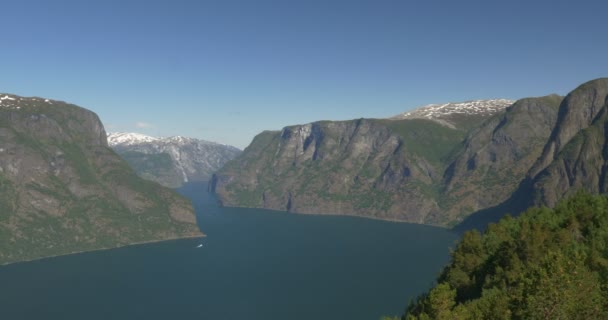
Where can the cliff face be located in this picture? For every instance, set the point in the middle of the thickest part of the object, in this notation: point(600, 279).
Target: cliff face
point(415, 170)
point(359, 167)
point(575, 157)
point(496, 157)
point(435, 171)
point(63, 190)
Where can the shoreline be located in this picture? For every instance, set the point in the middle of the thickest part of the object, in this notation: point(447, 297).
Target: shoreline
point(202, 235)
point(341, 215)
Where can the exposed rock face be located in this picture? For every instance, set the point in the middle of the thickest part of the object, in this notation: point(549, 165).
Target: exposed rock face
point(62, 189)
point(172, 161)
point(354, 167)
point(575, 157)
point(435, 170)
point(496, 156)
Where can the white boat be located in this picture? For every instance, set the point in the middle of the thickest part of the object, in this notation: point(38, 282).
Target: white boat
point(200, 245)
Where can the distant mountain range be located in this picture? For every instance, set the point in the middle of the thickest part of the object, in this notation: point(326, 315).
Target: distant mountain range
point(435, 165)
point(171, 161)
point(63, 190)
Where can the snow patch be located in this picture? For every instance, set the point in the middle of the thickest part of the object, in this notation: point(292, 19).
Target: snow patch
point(128, 138)
point(440, 111)
point(6, 101)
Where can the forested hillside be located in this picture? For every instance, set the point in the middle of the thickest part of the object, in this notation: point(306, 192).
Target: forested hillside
point(545, 264)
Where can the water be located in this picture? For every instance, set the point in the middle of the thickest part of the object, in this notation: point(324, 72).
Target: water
point(254, 264)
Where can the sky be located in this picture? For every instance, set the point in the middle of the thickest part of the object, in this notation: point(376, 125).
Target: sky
point(226, 70)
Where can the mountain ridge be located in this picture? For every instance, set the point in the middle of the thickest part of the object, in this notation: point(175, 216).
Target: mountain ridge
point(448, 114)
point(370, 167)
point(407, 170)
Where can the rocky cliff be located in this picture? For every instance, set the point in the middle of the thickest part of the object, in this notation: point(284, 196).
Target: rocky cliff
point(573, 157)
point(63, 190)
point(415, 169)
point(496, 156)
point(436, 165)
point(361, 167)
point(576, 155)
point(171, 161)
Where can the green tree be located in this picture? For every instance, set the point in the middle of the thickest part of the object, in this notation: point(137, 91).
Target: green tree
point(563, 287)
point(545, 264)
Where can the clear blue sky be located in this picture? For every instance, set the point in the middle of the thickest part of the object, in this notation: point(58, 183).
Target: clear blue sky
point(226, 70)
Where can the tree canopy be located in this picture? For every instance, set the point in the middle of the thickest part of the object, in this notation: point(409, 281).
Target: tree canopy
point(544, 264)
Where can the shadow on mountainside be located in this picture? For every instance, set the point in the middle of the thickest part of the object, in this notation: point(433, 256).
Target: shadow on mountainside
point(519, 201)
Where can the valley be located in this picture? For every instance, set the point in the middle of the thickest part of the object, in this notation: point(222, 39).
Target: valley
point(65, 191)
point(255, 264)
point(383, 160)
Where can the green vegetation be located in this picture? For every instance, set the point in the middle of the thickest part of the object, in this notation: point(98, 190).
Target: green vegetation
point(147, 162)
point(545, 264)
point(436, 172)
point(62, 190)
point(358, 149)
point(158, 167)
point(249, 198)
point(425, 138)
point(79, 161)
point(7, 197)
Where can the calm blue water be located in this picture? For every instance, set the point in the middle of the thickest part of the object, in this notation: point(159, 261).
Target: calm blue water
point(255, 264)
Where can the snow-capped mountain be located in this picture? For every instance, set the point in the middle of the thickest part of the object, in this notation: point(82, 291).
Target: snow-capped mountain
point(446, 112)
point(128, 138)
point(174, 160)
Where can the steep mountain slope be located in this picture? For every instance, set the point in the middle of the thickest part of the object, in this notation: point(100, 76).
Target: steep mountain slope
point(417, 169)
point(63, 190)
point(174, 160)
point(360, 167)
point(547, 263)
point(437, 165)
point(576, 155)
point(497, 156)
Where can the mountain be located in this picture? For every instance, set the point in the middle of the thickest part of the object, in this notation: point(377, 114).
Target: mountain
point(546, 263)
point(456, 115)
point(63, 190)
point(576, 155)
point(129, 138)
point(433, 167)
point(573, 157)
point(458, 163)
point(495, 157)
point(174, 160)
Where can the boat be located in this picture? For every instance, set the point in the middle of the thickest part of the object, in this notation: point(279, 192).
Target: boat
point(200, 245)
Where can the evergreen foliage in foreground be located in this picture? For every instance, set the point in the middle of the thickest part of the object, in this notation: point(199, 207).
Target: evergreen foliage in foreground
point(545, 264)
